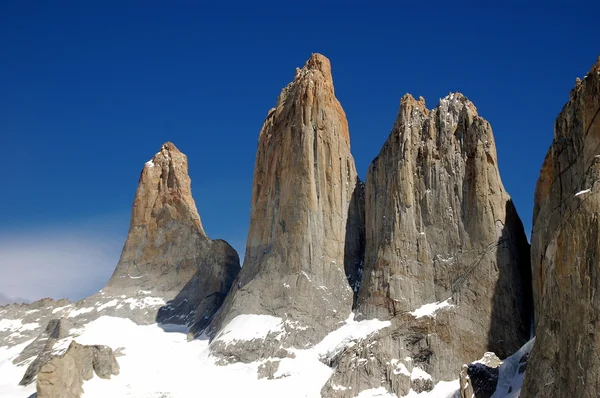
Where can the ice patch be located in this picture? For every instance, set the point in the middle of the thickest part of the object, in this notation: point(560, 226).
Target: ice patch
point(430, 309)
point(150, 163)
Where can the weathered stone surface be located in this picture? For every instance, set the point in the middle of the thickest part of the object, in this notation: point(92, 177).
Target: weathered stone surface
point(167, 252)
point(565, 245)
point(440, 228)
point(63, 377)
point(305, 238)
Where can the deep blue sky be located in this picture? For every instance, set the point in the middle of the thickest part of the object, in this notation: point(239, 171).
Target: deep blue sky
point(90, 92)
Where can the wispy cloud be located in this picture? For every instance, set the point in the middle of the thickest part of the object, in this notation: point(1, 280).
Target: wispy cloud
point(71, 261)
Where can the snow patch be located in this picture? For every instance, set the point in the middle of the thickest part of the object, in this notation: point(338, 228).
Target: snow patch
point(400, 368)
point(10, 374)
point(419, 374)
point(430, 309)
point(509, 378)
point(443, 389)
point(80, 311)
point(337, 340)
point(61, 346)
point(248, 327)
point(379, 392)
point(54, 311)
point(142, 303)
point(111, 303)
point(583, 192)
point(14, 325)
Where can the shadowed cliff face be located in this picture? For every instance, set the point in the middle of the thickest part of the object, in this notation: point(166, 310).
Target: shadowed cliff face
point(440, 230)
point(305, 223)
point(565, 256)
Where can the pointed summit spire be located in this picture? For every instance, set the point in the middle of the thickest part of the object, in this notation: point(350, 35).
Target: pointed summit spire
point(167, 251)
point(304, 242)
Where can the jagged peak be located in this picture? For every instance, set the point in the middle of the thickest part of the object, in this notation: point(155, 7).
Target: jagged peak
point(454, 100)
point(408, 100)
point(166, 175)
point(316, 63)
point(594, 71)
point(595, 68)
point(167, 152)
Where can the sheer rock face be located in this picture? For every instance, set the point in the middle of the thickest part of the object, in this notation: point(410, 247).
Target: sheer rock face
point(305, 238)
point(167, 251)
point(441, 229)
point(565, 245)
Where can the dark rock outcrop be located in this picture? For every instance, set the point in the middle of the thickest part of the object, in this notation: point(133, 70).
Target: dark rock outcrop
point(565, 245)
point(446, 257)
point(479, 379)
point(304, 246)
point(63, 376)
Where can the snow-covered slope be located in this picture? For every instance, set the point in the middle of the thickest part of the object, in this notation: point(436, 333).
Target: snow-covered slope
point(159, 361)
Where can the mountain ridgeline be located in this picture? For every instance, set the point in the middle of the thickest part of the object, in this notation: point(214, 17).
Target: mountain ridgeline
point(393, 285)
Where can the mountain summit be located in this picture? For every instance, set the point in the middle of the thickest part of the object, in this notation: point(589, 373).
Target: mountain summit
point(167, 252)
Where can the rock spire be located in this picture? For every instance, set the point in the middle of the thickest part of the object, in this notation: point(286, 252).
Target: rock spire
point(447, 259)
point(305, 238)
point(167, 251)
